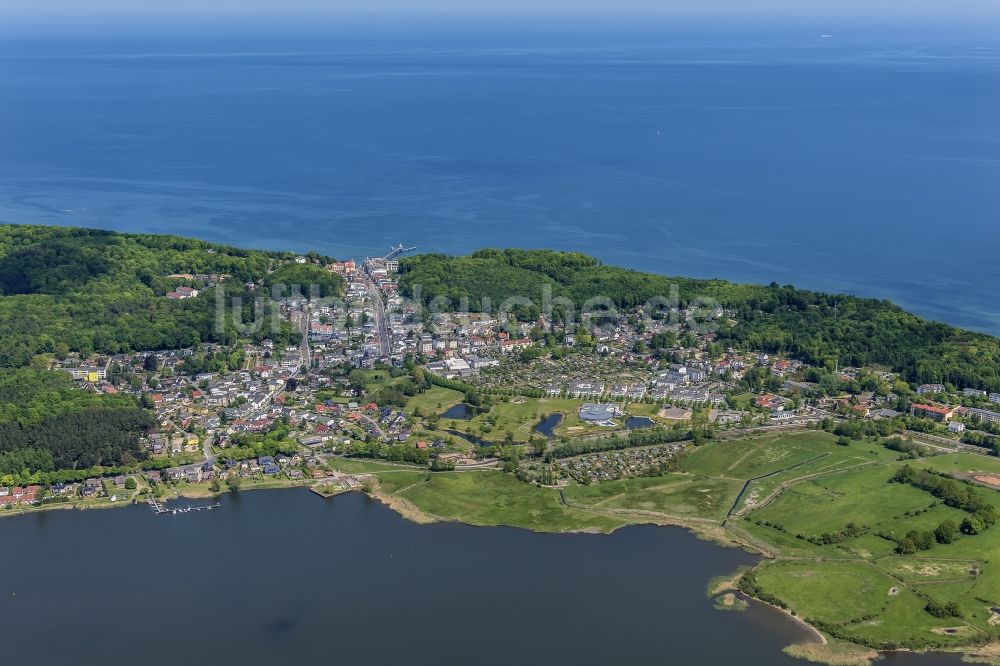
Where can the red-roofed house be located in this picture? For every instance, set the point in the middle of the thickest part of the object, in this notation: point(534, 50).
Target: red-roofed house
point(766, 401)
point(933, 411)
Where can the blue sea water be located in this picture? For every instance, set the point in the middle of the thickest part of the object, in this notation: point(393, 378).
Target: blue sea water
point(864, 162)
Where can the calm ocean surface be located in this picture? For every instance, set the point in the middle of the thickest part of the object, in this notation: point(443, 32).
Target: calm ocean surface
point(866, 162)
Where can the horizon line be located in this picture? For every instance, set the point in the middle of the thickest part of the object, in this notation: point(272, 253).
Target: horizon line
point(722, 16)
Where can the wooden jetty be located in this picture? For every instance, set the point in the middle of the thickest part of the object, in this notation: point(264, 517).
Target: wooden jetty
point(160, 509)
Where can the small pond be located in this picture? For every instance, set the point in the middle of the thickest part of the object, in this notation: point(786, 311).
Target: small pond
point(459, 411)
point(548, 425)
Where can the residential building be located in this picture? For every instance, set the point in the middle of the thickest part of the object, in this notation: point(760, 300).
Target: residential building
point(933, 411)
point(984, 415)
point(88, 373)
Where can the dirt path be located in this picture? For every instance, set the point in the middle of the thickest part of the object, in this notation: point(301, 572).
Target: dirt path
point(781, 488)
point(405, 488)
point(746, 485)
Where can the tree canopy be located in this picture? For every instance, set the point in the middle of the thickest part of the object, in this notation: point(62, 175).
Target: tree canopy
point(92, 291)
point(815, 327)
point(47, 423)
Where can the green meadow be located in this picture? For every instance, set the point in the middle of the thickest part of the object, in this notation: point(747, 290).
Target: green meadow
point(494, 498)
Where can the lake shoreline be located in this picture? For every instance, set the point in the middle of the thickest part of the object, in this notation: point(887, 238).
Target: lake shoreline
point(822, 650)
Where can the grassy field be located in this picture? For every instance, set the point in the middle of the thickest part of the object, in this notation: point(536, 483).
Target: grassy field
point(856, 600)
point(765, 454)
point(827, 504)
point(493, 498)
point(393, 481)
point(859, 589)
point(964, 463)
point(434, 400)
point(671, 495)
point(363, 466)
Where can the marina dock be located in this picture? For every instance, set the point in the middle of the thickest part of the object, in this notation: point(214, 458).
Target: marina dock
point(159, 509)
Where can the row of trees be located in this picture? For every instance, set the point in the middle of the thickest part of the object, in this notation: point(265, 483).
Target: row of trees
point(987, 441)
point(393, 452)
point(915, 540)
point(859, 429)
point(955, 494)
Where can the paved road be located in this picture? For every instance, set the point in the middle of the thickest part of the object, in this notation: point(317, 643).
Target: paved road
point(304, 354)
point(381, 320)
point(375, 424)
point(206, 448)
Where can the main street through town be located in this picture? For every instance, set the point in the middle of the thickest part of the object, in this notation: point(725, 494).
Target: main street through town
point(381, 320)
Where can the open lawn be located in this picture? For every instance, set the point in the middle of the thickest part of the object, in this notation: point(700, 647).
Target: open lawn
point(364, 465)
point(756, 456)
point(964, 463)
point(494, 498)
point(833, 592)
point(671, 495)
point(827, 504)
point(762, 491)
point(393, 481)
point(434, 400)
point(859, 589)
point(914, 570)
point(857, 601)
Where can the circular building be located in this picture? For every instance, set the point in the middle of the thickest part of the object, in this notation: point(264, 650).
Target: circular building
point(599, 413)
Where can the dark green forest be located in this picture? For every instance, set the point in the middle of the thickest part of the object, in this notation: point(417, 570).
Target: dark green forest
point(47, 423)
point(306, 280)
point(91, 291)
point(818, 328)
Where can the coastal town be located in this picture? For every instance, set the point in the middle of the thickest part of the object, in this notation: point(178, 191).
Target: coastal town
point(449, 333)
point(763, 418)
point(374, 376)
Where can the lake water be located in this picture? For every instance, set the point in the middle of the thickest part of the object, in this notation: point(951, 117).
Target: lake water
point(280, 576)
point(867, 162)
point(459, 411)
point(637, 422)
point(547, 426)
point(472, 439)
